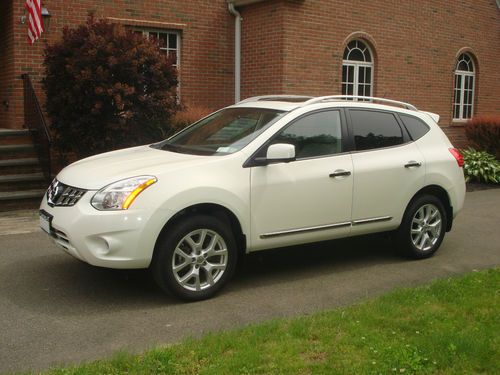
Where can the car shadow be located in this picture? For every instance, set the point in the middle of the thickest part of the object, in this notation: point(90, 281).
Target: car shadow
point(61, 285)
point(311, 260)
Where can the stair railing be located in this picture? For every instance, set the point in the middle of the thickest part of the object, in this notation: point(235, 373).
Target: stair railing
point(35, 122)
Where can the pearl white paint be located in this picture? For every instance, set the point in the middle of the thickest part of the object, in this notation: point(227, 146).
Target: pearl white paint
point(298, 197)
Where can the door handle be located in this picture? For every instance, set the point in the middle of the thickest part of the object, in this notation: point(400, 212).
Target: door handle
point(412, 163)
point(340, 173)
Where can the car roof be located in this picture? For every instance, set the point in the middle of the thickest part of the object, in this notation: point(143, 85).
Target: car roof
point(274, 104)
point(290, 102)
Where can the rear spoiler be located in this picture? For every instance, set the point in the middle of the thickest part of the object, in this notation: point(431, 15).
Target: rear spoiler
point(433, 116)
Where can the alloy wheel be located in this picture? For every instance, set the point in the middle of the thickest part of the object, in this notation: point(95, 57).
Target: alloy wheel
point(426, 227)
point(199, 259)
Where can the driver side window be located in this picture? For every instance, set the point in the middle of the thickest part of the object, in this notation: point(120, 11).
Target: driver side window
point(315, 135)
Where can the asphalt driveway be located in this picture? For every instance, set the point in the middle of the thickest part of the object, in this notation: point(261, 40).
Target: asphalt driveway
point(56, 310)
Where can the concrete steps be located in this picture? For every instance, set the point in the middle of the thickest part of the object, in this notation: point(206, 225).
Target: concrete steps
point(15, 136)
point(23, 150)
point(19, 182)
point(22, 183)
point(24, 194)
point(20, 165)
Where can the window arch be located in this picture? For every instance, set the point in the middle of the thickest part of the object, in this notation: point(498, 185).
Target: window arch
point(357, 69)
point(463, 93)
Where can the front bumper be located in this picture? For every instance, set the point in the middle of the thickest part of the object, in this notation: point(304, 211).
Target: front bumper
point(112, 239)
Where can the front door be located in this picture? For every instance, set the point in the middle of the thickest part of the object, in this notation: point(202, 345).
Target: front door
point(308, 199)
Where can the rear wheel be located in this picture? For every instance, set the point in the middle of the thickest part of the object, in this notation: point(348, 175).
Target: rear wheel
point(423, 227)
point(195, 258)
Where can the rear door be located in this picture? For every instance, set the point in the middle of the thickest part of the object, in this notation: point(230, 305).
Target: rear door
point(388, 169)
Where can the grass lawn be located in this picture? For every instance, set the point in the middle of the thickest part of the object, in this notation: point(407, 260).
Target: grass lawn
point(451, 326)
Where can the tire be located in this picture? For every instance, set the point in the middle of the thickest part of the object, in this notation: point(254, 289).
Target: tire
point(423, 227)
point(195, 258)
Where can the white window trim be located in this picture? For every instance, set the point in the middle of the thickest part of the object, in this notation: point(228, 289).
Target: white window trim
point(357, 65)
point(463, 74)
point(461, 107)
point(147, 30)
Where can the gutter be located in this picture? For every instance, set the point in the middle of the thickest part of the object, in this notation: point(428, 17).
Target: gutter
point(231, 4)
point(237, 51)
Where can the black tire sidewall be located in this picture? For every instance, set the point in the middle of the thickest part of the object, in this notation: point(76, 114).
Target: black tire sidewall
point(162, 259)
point(405, 229)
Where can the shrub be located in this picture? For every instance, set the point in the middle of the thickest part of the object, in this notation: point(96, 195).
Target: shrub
point(187, 116)
point(480, 166)
point(484, 133)
point(107, 88)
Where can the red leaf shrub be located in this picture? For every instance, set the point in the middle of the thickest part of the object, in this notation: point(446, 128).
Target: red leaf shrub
point(107, 87)
point(484, 133)
point(186, 116)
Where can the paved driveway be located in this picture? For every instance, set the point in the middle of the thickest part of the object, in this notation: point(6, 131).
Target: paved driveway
point(55, 310)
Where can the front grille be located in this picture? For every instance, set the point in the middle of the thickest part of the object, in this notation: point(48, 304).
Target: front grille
point(59, 194)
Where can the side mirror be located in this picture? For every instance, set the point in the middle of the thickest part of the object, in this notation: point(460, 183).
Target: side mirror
point(283, 152)
point(277, 153)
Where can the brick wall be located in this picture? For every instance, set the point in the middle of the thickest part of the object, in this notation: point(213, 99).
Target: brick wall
point(262, 58)
point(289, 46)
point(207, 39)
point(7, 97)
point(297, 46)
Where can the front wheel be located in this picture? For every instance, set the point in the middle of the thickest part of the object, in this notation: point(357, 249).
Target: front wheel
point(195, 258)
point(423, 227)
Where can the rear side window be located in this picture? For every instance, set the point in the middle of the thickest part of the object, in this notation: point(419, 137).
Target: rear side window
point(416, 127)
point(375, 129)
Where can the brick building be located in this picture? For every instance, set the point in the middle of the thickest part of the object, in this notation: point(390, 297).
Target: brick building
point(440, 55)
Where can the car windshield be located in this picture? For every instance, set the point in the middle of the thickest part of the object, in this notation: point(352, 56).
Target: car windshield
point(222, 133)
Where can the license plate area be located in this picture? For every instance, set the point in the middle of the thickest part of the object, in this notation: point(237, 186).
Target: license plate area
point(46, 221)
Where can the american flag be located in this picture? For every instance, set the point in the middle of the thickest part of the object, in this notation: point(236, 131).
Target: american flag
point(35, 22)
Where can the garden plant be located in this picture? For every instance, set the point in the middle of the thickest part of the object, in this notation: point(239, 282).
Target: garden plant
point(107, 88)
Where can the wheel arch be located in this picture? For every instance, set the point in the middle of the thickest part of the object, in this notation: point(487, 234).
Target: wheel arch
point(212, 209)
point(443, 196)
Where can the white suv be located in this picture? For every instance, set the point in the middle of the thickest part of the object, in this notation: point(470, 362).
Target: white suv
point(267, 172)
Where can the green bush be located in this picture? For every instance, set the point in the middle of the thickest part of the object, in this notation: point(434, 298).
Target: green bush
point(480, 166)
point(107, 88)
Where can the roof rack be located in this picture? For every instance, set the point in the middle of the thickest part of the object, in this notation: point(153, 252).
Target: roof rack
point(352, 97)
point(293, 98)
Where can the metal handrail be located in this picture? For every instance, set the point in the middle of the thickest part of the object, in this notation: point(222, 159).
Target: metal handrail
point(347, 97)
point(35, 122)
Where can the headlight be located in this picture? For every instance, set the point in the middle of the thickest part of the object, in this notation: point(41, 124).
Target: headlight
point(120, 195)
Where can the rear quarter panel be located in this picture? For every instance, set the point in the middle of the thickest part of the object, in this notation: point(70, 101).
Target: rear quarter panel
point(441, 167)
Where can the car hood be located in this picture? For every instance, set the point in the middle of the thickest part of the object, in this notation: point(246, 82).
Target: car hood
point(97, 171)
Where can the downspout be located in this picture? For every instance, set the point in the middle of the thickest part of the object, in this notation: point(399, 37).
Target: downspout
point(237, 51)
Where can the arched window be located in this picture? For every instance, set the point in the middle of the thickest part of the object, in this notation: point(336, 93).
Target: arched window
point(463, 98)
point(357, 69)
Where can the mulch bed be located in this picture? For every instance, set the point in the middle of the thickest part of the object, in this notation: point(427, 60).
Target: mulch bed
point(477, 186)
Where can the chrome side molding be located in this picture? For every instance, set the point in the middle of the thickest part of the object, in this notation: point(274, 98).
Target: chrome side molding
point(302, 230)
point(323, 227)
point(371, 220)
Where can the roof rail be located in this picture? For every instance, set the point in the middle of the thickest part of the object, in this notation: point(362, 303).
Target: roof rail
point(367, 98)
point(275, 97)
